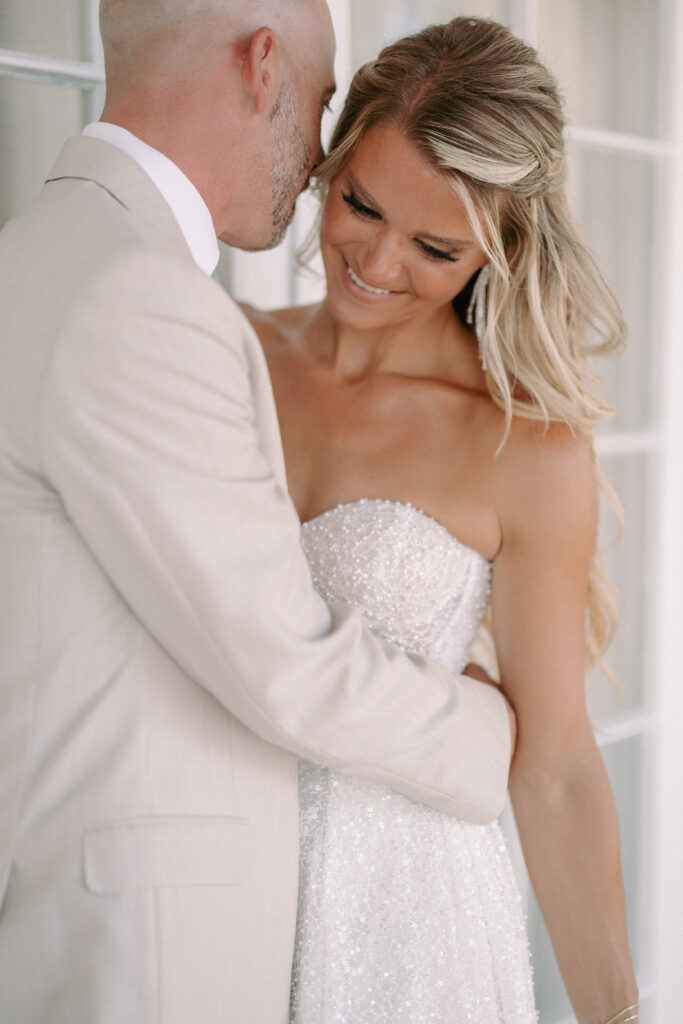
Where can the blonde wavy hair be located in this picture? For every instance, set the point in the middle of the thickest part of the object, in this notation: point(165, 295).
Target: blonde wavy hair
point(482, 109)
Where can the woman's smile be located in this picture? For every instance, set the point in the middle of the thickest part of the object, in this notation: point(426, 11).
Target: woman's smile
point(362, 289)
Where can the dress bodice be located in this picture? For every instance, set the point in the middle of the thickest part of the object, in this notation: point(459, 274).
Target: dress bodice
point(405, 916)
point(415, 583)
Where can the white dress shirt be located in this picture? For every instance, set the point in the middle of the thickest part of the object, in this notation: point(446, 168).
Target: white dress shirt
point(188, 207)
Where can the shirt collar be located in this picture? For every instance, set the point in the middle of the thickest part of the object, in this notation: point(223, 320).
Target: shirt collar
point(188, 207)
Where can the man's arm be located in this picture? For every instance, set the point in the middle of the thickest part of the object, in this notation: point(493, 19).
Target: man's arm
point(149, 437)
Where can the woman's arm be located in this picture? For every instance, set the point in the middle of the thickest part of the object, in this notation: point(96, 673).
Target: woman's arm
point(559, 787)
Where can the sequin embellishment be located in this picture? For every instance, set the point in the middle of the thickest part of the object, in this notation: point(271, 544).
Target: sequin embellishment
point(405, 916)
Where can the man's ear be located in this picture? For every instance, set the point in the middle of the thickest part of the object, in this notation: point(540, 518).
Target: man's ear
point(261, 69)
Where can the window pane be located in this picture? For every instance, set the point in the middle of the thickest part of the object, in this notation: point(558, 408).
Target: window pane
point(35, 120)
point(606, 55)
point(55, 29)
point(613, 196)
point(629, 766)
point(375, 24)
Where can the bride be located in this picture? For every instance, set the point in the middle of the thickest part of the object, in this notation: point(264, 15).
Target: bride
point(439, 452)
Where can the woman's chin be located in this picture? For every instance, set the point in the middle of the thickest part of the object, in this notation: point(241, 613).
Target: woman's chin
point(358, 315)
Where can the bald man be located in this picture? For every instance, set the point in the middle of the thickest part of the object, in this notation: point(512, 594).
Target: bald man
point(164, 656)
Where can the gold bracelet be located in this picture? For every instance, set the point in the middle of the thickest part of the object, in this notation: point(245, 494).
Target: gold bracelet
point(619, 1018)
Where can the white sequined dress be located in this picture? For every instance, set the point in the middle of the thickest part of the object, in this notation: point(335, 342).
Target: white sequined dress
point(405, 916)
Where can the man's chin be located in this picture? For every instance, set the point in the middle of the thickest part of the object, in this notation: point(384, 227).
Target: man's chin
point(278, 233)
point(252, 244)
point(275, 239)
point(278, 230)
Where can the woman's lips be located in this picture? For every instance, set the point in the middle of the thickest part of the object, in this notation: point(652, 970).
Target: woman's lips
point(357, 286)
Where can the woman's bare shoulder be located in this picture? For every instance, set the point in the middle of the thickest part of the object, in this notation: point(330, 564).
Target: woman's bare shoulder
point(547, 476)
point(552, 450)
point(277, 326)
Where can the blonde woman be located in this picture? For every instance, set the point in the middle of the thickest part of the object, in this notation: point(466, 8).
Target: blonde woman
point(439, 452)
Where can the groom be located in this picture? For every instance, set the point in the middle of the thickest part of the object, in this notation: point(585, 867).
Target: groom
point(164, 657)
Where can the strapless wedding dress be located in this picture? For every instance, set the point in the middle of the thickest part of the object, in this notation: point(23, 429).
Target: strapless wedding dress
point(405, 916)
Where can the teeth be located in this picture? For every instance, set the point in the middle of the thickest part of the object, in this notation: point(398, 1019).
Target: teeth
point(366, 287)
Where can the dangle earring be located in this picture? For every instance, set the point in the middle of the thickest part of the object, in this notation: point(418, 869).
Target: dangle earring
point(476, 311)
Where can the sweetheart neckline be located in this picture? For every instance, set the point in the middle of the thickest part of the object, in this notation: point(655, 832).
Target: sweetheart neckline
point(397, 504)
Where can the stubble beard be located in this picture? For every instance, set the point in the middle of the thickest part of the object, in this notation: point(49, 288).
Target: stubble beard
point(291, 163)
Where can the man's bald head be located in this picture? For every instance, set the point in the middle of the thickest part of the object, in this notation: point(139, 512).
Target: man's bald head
point(131, 28)
point(232, 91)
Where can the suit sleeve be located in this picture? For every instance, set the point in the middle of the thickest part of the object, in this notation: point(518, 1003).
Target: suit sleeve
point(149, 436)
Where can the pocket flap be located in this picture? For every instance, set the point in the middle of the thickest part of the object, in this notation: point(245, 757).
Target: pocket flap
point(140, 853)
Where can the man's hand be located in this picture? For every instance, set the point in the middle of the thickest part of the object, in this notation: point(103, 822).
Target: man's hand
point(477, 672)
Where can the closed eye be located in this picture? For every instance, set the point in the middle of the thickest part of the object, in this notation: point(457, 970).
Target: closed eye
point(436, 254)
point(360, 209)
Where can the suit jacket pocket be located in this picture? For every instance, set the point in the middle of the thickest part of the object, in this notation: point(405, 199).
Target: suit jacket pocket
point(142, 853)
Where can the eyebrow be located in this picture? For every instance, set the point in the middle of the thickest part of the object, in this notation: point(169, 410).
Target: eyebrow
point(451, 243)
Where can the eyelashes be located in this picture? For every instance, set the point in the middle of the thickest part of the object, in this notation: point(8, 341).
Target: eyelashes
point(436, 254)
point(354, 203)
point(359, 209)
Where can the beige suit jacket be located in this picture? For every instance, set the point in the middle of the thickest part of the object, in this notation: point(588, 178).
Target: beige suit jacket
point(164, 657)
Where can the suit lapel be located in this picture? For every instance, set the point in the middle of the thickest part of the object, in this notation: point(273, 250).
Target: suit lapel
point(94, 160)
point(90, 159)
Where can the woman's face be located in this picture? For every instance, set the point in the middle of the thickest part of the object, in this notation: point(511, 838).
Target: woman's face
point(395, 239)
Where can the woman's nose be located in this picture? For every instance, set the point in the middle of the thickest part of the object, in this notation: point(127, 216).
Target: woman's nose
point(379, 258)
